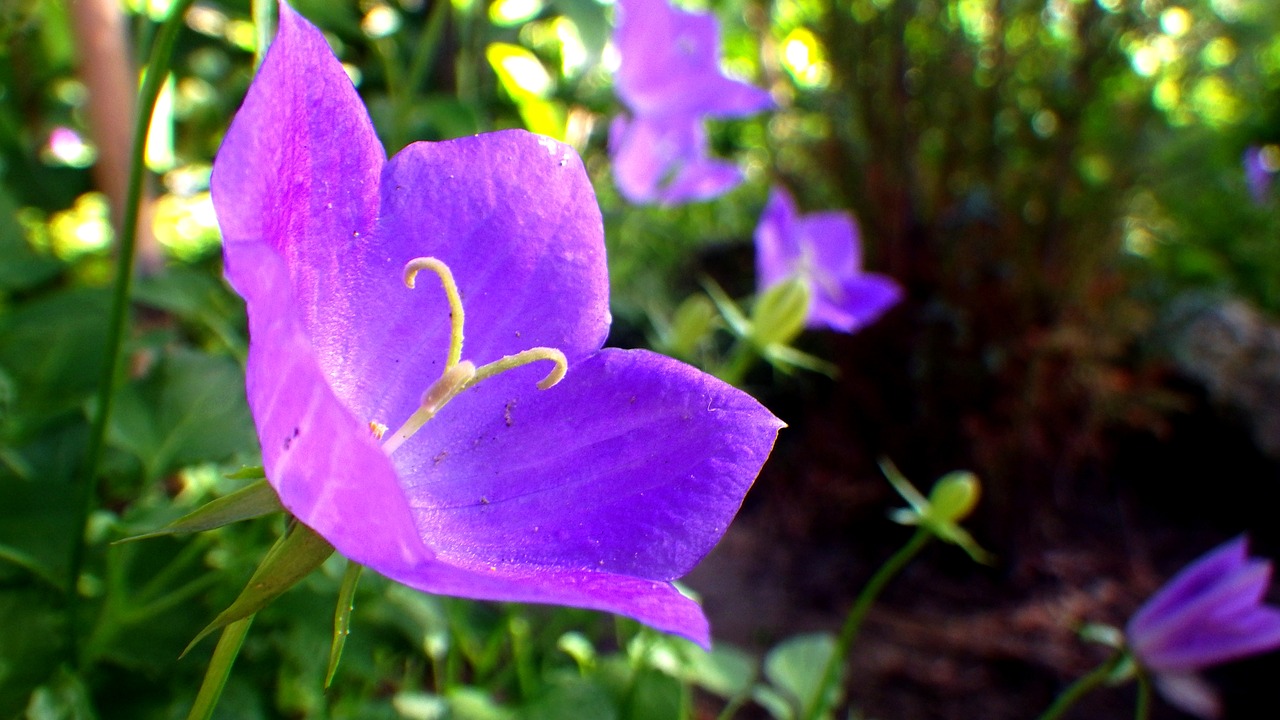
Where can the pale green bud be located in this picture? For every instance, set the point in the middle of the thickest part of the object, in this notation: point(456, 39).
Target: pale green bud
point(779, 314)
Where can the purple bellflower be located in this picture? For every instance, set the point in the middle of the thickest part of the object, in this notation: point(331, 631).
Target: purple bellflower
point(823, 250)
point(670, 81)
point(1209, 613)
point(1258, 174)
point(595, 492)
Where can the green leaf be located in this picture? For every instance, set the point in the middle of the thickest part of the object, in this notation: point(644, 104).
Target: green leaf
point(52, 350)
point(30, 646)
point(572, 696)
point(197, 298)
point(342, 618)
point(39, 518)
point(795, 668)
point(292, 559)
point(726, 671)
point(190, 409)
point(21, 268)
point(253, 501)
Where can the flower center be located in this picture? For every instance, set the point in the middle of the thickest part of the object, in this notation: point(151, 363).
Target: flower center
point(459, 374)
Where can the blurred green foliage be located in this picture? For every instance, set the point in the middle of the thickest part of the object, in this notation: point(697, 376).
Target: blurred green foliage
point(1043, 175)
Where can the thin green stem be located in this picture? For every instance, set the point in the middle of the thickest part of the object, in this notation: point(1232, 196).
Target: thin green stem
point(157, 71)
point(215, 678)
point(1083, 686)
point(858, 613)
point(744, 357)
point(428, 41)
point(263, 13)
point(1142, 708)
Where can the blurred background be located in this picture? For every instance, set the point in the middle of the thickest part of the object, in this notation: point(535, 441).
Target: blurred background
point(1076, 196)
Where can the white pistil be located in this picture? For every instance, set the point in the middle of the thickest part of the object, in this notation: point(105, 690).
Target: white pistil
point(455, 380)
point(460, 374)
point(524, 357)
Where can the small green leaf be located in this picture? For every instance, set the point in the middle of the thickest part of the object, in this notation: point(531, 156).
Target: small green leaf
point(292, 558)
point(795, 668)
point(342, 618)
point(248, 502)
point(729, 310)
point(248, 472)
point(726, 671)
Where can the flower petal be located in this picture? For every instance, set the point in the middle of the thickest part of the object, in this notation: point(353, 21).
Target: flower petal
point(1190, 583)
point(671, 64)
point(295, 177)
point(777, 242)
point(657, 604)
point(861, 300)
point(666, 160)
point(634, 464)
point(514, 217)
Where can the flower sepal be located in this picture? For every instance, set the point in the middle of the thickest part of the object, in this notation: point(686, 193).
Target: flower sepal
point(779, 314)
point(254, 500)
point(951, 500)
point(291, 559)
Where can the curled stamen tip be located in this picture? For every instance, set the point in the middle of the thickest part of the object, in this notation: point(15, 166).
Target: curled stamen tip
point(557, 373)
point(417, 265)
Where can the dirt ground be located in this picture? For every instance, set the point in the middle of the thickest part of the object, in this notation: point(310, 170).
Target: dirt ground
point(952, 640)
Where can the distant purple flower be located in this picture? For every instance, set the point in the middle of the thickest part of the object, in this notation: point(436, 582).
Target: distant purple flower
point(1209, 613)
point(1257, 175)
point(822, 249)
point(597, 492)
point(670, 80)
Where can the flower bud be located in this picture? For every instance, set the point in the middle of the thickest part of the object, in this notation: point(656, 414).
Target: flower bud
point(779, 314)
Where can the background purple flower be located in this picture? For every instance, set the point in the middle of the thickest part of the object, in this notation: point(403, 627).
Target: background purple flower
point(597, 492)
point(823, 249)
point(670, 81)
point(1209, 613)
point(1257, 175)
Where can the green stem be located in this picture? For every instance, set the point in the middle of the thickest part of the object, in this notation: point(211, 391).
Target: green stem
point(1142, 709)
point(858, 613)
point(428, 40)
point(1083, 686)
point(744, 357)
point(215, 678)
point(263, 12)
point(157, 71)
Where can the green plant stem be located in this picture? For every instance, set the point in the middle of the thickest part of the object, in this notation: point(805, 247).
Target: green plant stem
point(263, 12)
point(157, 71)
point(858, 613)
point(215, 678)
point(1083, 686)
point(1142, 708)
point(743, 358)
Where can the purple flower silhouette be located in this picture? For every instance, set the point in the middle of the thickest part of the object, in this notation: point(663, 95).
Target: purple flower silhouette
point(823, 250)
point(1209, 613)
point(1257, 175)
point(597, 492)
point(670, 80)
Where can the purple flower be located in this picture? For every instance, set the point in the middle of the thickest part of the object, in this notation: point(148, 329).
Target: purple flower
point(1209, 613)
point(823, 250)
point(597, 492)
point(1258, 175)
point(670, 80)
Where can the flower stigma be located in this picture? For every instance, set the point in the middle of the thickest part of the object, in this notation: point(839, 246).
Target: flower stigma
point(460, 374)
